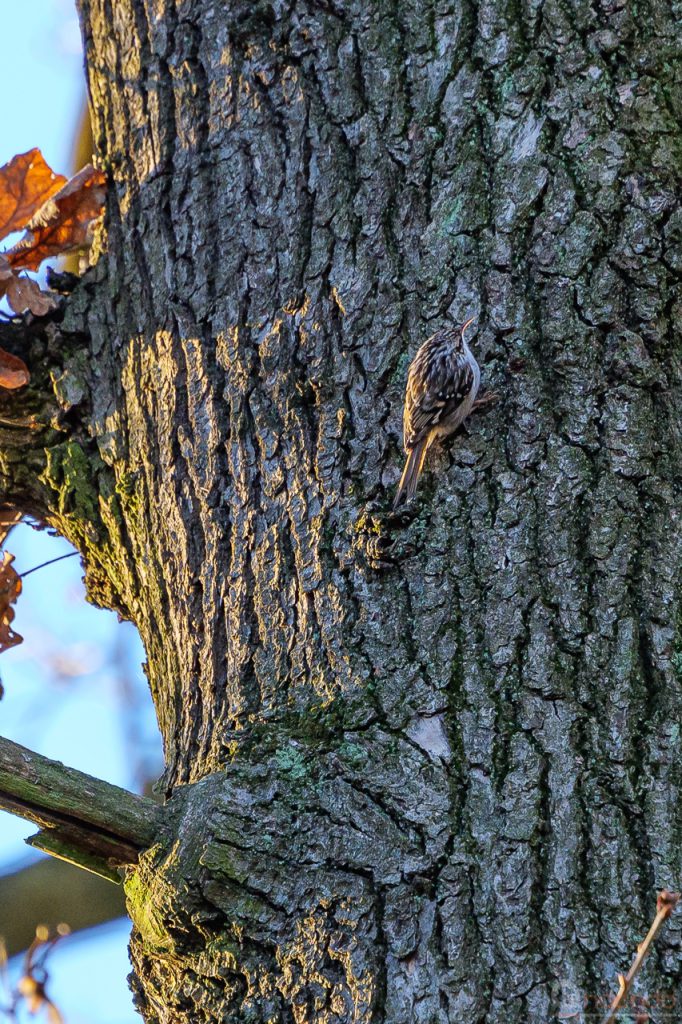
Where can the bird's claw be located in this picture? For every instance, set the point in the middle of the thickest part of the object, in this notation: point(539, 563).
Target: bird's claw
point(485, 400)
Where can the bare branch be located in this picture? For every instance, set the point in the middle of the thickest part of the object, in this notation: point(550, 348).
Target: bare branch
point(665, 904)
point(84, 820)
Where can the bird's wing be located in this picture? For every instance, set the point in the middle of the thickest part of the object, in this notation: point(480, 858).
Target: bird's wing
point(436, 385)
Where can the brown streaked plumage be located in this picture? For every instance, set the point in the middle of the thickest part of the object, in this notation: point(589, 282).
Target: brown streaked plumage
point(442, 384)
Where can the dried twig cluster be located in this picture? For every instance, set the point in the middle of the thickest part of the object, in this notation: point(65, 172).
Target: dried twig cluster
point(665, 904)
point(31, 989)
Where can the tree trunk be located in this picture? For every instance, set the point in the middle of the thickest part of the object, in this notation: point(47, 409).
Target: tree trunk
point(422, 768)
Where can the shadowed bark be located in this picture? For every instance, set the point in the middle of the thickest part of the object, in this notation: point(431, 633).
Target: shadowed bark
point(425, 768)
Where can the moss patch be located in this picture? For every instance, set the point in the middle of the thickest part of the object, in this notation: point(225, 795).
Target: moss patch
point(70, 473)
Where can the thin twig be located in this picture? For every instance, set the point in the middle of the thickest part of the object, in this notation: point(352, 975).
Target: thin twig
point(665, 904)
point(71, 554)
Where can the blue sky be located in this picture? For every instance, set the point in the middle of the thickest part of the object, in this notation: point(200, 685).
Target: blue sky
point(64, 685)
point(42, 76)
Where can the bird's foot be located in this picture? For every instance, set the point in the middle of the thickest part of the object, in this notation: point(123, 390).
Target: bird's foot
point(485, 401)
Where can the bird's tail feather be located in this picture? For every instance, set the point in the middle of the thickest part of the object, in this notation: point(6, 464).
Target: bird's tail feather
point(411, 473)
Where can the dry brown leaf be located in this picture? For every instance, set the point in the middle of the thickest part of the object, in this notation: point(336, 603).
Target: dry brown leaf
point(26, 183)
point(6, 274)
point(24, 293)
point(13, 371)
point(10, 588)
point(62, 223)
point(9, 517)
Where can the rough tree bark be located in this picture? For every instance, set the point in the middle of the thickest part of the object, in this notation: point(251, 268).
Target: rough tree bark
point(423, 768)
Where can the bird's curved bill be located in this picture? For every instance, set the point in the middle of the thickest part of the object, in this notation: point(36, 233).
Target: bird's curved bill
point(464, 326)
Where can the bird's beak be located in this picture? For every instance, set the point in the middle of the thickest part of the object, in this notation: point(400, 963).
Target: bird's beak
point(464, 326)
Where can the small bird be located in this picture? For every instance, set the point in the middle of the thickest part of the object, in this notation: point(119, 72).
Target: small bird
point(442, 384)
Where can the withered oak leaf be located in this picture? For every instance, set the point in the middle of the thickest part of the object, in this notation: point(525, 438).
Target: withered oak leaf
point(9, 517)
point(57, 215)
point(63, 223)
point(25, 293)
point(26, 183)
point(10, 588)
point(13, 371)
